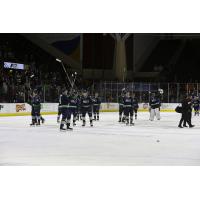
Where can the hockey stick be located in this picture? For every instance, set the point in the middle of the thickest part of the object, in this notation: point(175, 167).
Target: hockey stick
point(60, 61)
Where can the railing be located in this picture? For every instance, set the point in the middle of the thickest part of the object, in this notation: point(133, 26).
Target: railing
point(20, 94)
point(173, 92)
point(109, 91)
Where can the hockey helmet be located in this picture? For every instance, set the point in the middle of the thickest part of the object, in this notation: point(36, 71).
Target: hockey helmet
point(96, 94)
point(85, 93)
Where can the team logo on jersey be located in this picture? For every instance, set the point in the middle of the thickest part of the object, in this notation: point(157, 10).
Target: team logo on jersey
point(20, 107)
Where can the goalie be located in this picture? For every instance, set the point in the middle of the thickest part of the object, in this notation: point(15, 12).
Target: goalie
point(154, 107)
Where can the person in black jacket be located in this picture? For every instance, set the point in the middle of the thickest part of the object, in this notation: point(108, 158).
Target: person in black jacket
point(190, 107)
point(186, 113)
point(121, 108)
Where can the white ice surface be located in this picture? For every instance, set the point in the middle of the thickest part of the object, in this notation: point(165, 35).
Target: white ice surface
point(107, 143)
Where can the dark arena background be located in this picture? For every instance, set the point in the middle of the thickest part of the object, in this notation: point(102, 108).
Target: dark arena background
point(99, 98)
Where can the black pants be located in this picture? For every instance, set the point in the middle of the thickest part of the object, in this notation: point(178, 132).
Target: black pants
point(135, 111)
point(190, 118)
point(86, 110)
point(128, 111)
point(96, 109)
point(35, 112)
point(121, 110)
point(66, 114)
point(196, 110)
point(185, 118)
point(59, 110)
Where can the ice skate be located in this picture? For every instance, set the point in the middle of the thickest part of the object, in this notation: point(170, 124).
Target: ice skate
point(43, 120)
point(69, 128)
point(83, 123)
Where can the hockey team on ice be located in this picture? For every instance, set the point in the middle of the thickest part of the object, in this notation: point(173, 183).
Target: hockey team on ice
point(76, 106)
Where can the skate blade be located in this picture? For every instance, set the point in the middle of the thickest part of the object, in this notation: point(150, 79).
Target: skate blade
point(62, 130)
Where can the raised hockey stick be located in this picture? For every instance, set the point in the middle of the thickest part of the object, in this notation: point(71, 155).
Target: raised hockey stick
point(60, 61)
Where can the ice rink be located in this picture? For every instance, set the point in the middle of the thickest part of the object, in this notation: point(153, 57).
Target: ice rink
point(107, 143)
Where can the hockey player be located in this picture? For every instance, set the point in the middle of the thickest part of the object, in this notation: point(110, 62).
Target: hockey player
point(59, 109)
point(73, 106)
point(196, 103)
point(128, 108)
point(135, 105)
point(154, 106)
point(96, 106)
point(35, 106)
point(86, 107)
point(66, 115)
point(121, 106)
point(78, 116)
point(159, 95)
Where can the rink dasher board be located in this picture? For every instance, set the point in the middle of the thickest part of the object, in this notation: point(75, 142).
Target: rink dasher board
point(55, 113)
point(23, 109)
